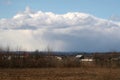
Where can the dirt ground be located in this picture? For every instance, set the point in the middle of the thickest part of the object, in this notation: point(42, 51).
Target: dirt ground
point(60, 74)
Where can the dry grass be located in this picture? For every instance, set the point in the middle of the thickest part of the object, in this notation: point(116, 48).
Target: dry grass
point(60, 74)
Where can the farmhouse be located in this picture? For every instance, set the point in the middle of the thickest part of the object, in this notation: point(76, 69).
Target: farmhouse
point(79, 56)
point(58, 58)
point(87, 60)
point(84, 58)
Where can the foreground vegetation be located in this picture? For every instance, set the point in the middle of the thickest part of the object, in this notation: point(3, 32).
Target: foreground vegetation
point(49, 60)
point(21, 65)
point(60, 74)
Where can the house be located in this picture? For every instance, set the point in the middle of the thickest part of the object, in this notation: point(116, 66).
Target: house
point(116, 59)
point(87, 60)
point(84, 58)
point(58, 58)
point(79, 56)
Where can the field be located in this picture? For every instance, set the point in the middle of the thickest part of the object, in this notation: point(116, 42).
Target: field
point(60, 74)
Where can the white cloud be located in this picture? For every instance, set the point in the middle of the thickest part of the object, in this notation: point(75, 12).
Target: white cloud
point(72, 31)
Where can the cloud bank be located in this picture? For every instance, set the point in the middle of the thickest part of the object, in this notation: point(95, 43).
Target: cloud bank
point(73, 31)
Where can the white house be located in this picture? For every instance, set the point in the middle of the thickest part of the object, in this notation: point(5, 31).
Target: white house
point(79, 56)
point(86, 60)
point(58, 58)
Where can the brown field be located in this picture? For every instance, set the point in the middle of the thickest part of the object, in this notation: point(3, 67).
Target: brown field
point(60, 74)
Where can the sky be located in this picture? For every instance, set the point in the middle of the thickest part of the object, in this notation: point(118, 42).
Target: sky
point(99, 8)
point(64, 25)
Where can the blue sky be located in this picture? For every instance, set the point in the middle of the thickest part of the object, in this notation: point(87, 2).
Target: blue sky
point(99, 8)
